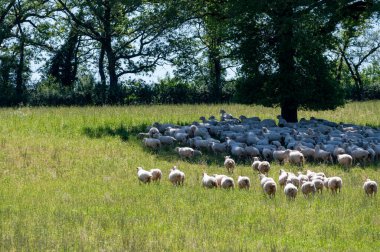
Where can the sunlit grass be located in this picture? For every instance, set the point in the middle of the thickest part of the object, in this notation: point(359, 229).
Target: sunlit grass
point(68, 182)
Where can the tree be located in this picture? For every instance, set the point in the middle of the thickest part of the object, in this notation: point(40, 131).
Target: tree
point(283, 45)
point(130, 35)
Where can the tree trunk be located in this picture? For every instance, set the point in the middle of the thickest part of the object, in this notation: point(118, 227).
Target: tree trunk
point(286, 55)
point(215, 70)
point(101, 67)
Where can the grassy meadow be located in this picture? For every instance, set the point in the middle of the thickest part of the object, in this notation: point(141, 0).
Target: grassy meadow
point(68, 182)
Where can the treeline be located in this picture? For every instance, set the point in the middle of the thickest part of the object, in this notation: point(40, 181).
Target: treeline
point(277, 53)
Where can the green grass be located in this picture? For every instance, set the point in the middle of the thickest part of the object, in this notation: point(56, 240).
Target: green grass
point(68, 182)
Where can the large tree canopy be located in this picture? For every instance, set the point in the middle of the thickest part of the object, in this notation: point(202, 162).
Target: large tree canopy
point(283, 47)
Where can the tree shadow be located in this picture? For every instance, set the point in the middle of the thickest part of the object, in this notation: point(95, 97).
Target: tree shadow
point(120, 131)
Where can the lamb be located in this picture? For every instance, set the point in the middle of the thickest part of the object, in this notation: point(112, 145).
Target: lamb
point(264, 167)
point(227, 183)
point(229, 163)
point(244, 182)
point(270, 188)
point(152, 143)
point(208, 181)
point(176, 176)
point(156, 175)
point(296, 157)
point(334, 184)
point(370, 187)
point(184, 152)
point(290, 191)
point(344, 160)
point(282, 178)
point(281, 155)
point(256, 163)
point(143, 175)
point(307, 188)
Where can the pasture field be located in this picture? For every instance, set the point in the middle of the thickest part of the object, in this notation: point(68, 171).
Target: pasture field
point(68, 182)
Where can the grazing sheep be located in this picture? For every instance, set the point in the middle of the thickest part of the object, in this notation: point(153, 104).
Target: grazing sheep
point(335, 184)
point(208, 181)
point(270, 188)
point(264, 179)
point(176, 176)
point(359, 155)
point(227, 183)
point(218, 147)
point(370, 187)
point(184, 152)
point(167, 140)
point(244, 182)
point(229, 163)
point(156, 175)
point(290, 191)
point(307, 188)
point(251, 151)
point(281, 155)
point(264, 167)
point(256, 163)
point(143, 175)
point(325, 156)
point(219, 179)
point(318, 184)
point(282, 178)
point(293, 179)
point(296, 157)
point(344, 160)
point(152, 143)
point(153, 131)
point(302, 178)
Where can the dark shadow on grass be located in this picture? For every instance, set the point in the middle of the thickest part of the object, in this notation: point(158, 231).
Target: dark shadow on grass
point(121, 131)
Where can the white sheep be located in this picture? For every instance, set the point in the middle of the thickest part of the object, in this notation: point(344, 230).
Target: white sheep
point(153, 131)
point(270, 188)
point(167, 140)
point(264, 167)
point(219, 178)
point(290, 191)
point(307, 188)
point(229, 163)
point(335, 184)
point(323, 155)
point(293, 179)
point(227, 183)
point(256, 163)
point(302, 178)
point(218, 147)
point(296, 157)
point(282, 177)
point(156, 174)
point(152, 143)
point(281, 155)
point(244, 182)
point(143, 175)
point(208, 181)
point(318, 182)
point(176, 176)
point(264, 179)
point(370, 187)
point(184, 152)
point(344, 160)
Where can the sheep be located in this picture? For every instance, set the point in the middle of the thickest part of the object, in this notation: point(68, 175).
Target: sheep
point(176, 176)
point(360, 155)
point(153, 131)
point(152, 143)
point(156, 174)
point(318, 184)
point(267, 153)
point(282, 178)
point(264, 167)
point(344, 160)
point(143, 175)
point(184, 152)
point(270, 188)
point(293, 179)
point(229, 163)
point(251, 151)
point(322, 155)
point(167, 140)
point(218, 147)
point(281, 155)
point(244, 182)
point(181, 137)
point(256, 163)
point(237, 151)
point(307, 152)
point(197, 153)
point(219, 179)
point(227, 183)
point(334, 184)
point(307, 188)
point(296, 157)
point(370, 187)
point(264, 179)
point(302, 178)
point(208, 181)
point(290, 191)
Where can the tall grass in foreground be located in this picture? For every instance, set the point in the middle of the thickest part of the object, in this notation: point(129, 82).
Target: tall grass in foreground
point(68, 182)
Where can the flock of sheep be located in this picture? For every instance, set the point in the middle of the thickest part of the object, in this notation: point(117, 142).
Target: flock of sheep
point(315, 140)
point(308, 183)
